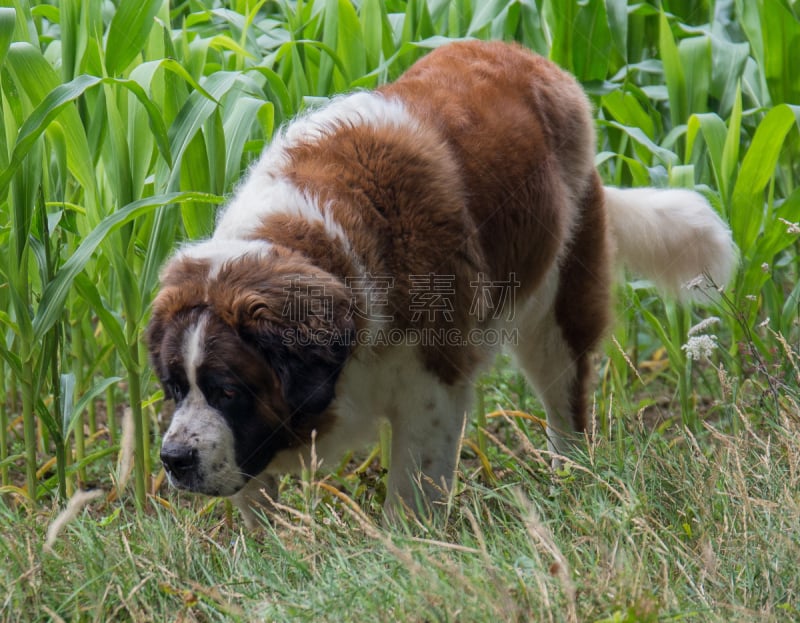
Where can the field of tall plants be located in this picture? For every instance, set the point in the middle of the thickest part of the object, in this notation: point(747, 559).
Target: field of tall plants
point(125, 123)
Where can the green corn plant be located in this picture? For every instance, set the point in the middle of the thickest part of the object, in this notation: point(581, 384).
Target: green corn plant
point(52, 118)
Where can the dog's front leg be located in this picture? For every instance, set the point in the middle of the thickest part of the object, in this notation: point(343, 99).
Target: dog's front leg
point(258, 493)
point(426, 434)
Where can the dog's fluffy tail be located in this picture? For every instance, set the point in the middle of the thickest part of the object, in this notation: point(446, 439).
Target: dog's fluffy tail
point(671, 237)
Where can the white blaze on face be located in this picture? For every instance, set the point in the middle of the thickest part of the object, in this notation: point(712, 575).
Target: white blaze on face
point(193, 352)
point(203, 428)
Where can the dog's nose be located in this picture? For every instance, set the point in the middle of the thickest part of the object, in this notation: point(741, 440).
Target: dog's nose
point(178, 459)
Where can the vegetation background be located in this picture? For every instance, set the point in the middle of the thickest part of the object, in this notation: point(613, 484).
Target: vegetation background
point(123, 124)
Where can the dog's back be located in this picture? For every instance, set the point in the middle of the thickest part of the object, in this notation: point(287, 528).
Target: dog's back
point(522, 134)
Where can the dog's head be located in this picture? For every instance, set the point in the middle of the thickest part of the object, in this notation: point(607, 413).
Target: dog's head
point(250, 351)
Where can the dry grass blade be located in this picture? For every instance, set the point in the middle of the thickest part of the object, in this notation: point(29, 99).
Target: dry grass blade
point(75, 505)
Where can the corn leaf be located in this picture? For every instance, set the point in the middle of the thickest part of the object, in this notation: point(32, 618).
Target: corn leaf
point(7, 23)
point(72, 411)
point(194, 114)
point(54, 295)
point(560, 18)
point(673, 73)
point(730, 152)
point(591, 41)
point(781, 37)
point(111, 325)
point(714, 133)
point(239, 122)
point(695, 59)
point(128, 32)
point(38, 80)
point(757, 169)
point(485, 15)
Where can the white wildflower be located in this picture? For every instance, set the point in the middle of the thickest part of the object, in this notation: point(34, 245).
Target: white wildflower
point(765, 267)
point(701, 326)
point(763, 324)
point(791, 228)
point(700, 346)
point(697, 282)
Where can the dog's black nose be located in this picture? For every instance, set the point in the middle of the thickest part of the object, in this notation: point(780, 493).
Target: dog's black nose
point(178, 459)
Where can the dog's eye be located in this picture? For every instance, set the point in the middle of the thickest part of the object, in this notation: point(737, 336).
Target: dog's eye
point(222, 396)
point(228, 393)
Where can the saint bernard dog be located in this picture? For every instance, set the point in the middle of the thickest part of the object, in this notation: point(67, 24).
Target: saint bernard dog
point(381, 251)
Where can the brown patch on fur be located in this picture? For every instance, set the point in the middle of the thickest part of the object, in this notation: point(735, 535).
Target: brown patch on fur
point(518, 128)
point(399, 197)
point(184, 283)
point(309, 238)
point(281, 289)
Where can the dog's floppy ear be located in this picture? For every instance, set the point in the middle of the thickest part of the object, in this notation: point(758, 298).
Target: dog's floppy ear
point(305, 336)
point(169, 304)
point(307, 366)
point(154, 335)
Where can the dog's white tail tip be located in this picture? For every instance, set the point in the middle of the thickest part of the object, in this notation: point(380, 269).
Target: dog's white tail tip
point(672, 237)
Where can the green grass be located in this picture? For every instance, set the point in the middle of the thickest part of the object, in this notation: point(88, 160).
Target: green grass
point(124, 124)
point(644, 528)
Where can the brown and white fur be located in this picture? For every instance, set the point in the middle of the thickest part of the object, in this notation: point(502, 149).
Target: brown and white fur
point(476, 166)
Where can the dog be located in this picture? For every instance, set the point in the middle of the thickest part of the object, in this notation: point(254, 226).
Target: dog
point(381, 251)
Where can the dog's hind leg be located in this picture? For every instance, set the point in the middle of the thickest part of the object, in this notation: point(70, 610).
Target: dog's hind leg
point(562, 324)
point(560, 378)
